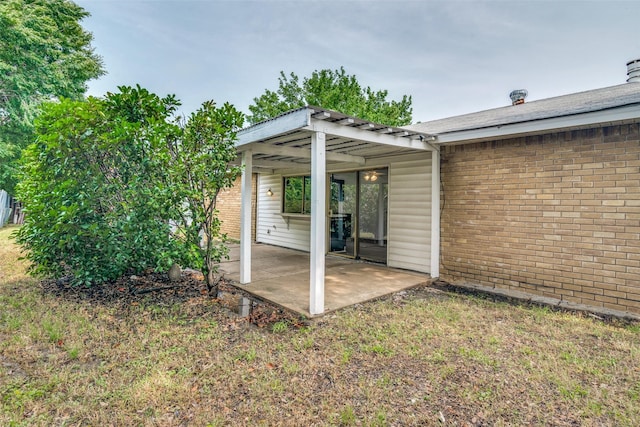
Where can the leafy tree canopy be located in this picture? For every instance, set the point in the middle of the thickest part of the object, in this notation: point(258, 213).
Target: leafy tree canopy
point(44, 53)
point(334, 90)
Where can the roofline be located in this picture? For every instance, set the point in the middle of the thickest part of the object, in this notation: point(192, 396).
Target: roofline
point(618, 115)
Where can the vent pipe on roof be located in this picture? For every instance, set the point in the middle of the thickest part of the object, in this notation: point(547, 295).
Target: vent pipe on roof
point(517, 96)
point(633, 71)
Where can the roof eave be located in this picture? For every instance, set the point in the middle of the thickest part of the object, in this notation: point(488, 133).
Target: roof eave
point(619, 115)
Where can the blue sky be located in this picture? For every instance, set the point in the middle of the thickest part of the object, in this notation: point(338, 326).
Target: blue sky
point(453, 57)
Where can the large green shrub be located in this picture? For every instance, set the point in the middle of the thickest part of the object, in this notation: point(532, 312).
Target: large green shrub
point(96, 188)
point(117, 185)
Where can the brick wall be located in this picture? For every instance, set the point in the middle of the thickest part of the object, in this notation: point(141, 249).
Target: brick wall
point(555, 215)
point(229, 202)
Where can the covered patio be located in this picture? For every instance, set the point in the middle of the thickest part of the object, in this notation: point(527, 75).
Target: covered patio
point(312, 142)
point(281, 276)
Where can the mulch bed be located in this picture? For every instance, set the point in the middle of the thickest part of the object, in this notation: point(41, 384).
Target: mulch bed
point(157, 289)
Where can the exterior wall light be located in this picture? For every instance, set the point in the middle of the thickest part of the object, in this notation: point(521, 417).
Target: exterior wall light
point(269, 193)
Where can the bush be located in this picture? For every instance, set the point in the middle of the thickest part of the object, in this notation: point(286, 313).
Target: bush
point(118, 185)
point(96, 189)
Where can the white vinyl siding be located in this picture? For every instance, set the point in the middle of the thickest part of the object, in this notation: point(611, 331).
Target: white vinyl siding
point(409, 220)
point(271, 226)
point(409, 237)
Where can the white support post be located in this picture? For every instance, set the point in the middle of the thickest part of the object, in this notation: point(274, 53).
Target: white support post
point(245, 218)
point(435, 214)
point(318, 222)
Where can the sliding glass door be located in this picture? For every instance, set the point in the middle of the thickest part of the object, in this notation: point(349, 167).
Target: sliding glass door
point(343, 213)
point(358, 214)
point(372, 215)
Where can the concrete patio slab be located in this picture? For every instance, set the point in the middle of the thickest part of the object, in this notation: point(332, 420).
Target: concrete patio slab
point(281, 276)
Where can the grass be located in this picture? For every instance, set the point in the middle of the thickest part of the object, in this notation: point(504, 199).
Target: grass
point(430, 357)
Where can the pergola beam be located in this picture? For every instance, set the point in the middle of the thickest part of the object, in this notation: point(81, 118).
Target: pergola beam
point(301, 139)
point(301, 153)
point(271, 164)
point(347, 121)
point(276, 164)
point(322, 115)
point(349, 132)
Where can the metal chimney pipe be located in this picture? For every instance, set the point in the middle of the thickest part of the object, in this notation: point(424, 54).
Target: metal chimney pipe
point(633, 71)
point(517, 96)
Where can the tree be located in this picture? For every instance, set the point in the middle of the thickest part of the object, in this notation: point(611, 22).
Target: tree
point(44, 53)
point(96, 188)
point(334, 90)
point(201, 168)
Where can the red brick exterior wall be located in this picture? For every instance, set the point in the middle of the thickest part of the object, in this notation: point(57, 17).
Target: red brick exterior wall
point(228, 204)
point(556, 215)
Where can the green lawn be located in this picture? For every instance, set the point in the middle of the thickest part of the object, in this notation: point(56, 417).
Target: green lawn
point(424, 358)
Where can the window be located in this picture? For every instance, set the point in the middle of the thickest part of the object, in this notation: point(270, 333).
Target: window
point(297, 195)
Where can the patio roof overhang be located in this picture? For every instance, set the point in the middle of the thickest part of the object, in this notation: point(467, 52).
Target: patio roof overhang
point(315, 139)
point(284, 143)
